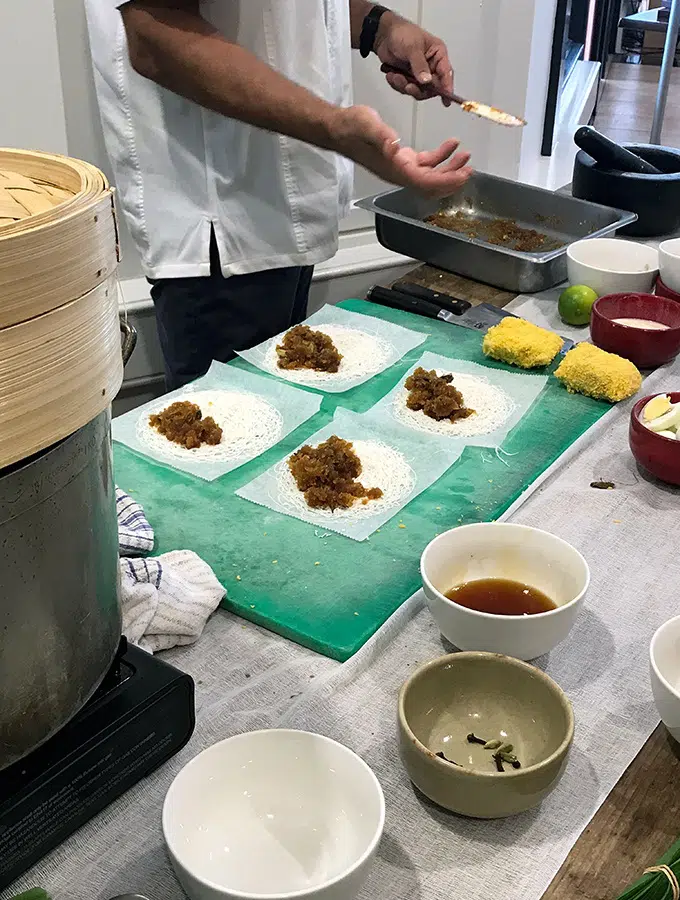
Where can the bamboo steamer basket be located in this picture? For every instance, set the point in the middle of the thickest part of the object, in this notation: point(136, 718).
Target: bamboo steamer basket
point(58, 371)
point(58, 232)
point(60, 352)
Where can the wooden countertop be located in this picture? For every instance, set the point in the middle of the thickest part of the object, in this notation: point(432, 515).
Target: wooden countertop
point(635, 825)
point(640, 819)
point(456, 286)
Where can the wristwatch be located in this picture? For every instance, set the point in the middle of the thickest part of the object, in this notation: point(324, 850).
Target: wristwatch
point(370, 28)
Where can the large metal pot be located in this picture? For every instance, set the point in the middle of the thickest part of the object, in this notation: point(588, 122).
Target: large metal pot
point(59, 613)
point(60, 618)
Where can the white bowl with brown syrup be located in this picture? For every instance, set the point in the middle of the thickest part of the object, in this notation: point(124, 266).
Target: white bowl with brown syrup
point(504, 588)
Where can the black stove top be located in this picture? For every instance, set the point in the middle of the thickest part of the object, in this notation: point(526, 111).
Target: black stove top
point(141, 715)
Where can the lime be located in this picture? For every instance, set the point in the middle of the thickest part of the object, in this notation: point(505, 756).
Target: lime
point(575, 304)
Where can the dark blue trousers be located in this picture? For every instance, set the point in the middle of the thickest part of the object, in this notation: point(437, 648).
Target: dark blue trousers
point(201, 319)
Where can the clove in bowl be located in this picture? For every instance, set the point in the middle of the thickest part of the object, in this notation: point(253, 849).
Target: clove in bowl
point(523, 714)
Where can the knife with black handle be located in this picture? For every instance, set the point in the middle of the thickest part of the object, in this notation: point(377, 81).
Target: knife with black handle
point(477, 318)
point(455, 305)
point(396, 300)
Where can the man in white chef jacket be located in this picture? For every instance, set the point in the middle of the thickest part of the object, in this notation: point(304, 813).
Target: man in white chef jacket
point(231, 135)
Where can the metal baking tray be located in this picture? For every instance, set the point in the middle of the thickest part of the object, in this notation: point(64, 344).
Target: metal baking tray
point(399, 224)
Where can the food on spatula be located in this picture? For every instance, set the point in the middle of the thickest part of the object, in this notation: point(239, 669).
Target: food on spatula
point(303, 348)
point(435, 395)
point(183, 423)
point(662, 416)
point(605, 376)
point(327, 475)
point(521, 343)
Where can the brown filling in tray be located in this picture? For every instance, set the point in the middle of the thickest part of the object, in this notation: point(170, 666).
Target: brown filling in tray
point(500, 232)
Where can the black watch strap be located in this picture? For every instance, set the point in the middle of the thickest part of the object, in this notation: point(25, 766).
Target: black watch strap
point(369, 29)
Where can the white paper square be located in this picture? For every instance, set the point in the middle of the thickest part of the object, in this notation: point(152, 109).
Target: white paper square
point(514, 392)
point(276, 488)
point(277, 409)
point(371, 346)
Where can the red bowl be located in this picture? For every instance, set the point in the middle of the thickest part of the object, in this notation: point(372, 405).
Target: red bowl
point(647, 349)
point(664, 291)
point(659, 455)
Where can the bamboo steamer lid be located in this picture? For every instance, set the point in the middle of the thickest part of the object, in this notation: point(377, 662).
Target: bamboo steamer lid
point(58, 232)
point(58, 371)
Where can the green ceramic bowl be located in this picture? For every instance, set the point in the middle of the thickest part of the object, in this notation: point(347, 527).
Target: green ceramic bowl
point(496, 698)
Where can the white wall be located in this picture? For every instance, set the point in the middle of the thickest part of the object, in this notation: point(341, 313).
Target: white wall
point(31, 105)
point(537, 82)
point(501, 55)
point(81, 114)
point(473, 36)
point(371, 89)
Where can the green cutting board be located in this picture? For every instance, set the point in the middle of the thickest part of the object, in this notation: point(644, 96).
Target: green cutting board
point(321, 589)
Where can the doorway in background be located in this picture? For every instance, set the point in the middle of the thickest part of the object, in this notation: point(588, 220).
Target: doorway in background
point(631, 58)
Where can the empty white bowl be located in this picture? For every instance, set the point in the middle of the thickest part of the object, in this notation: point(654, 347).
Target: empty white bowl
point(612, 266)
point(669, 263)
point(664, 660)
point(273, 814)
point(515, 552)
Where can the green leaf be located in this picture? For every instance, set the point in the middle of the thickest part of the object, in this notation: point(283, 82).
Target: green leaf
point(33, 894)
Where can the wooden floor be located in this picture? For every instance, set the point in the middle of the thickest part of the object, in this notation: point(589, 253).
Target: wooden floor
point(626, 105)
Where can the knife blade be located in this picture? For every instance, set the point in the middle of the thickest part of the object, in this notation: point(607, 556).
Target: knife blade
point(484, 316)
point(478, 318)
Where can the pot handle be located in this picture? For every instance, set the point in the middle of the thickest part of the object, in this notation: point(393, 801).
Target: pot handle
point(128, 339)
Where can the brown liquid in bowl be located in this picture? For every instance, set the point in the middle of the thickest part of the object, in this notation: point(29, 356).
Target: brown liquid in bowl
point(501, 596)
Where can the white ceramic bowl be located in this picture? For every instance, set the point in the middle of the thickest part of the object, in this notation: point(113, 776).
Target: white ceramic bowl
point(612, 266)
point(669, 263)
point(503, 550)
point(664, 664)
point(273, 814)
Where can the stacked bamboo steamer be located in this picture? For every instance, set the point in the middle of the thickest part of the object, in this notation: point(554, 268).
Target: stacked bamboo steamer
point(60, 357)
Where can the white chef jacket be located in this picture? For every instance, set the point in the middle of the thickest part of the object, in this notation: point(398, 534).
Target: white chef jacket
point(272, 201)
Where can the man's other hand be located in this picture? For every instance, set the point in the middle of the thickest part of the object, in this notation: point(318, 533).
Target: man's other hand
point(361, 135)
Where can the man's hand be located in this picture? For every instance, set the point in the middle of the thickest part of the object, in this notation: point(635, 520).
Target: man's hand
point(423, 58)
point(362, 135)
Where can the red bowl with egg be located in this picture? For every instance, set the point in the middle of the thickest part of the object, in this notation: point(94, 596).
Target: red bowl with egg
point(646, 347)
point(657, 454)
point(664, 291)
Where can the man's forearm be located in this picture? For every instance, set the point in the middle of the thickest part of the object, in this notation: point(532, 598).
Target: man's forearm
point(184, 53)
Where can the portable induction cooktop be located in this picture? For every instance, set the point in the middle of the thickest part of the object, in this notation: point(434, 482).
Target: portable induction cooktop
point(141, 715)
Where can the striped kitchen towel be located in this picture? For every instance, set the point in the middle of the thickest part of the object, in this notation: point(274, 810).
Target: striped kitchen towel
point(167, 600)
point(135, 535)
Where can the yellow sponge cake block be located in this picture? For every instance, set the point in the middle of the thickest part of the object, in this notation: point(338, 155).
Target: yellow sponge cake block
point(588, 370)
point(521, 343)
